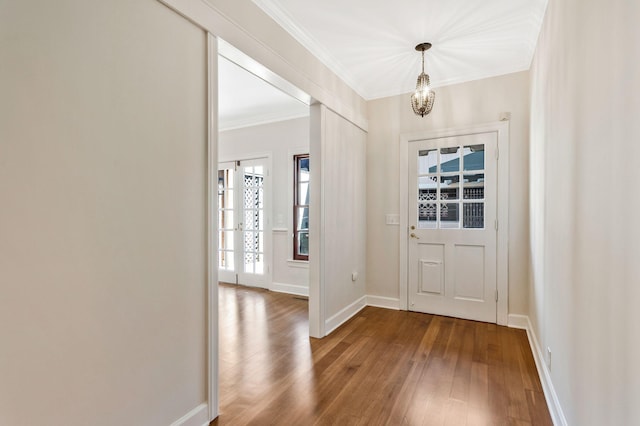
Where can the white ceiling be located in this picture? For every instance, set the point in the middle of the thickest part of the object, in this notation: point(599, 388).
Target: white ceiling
point(370, 43)
point(247, 100)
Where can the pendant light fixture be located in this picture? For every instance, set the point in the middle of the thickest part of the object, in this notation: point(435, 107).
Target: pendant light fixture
point(422, 99)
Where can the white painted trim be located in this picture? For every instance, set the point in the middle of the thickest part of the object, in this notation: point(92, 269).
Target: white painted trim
point(256, 68)
point(518, 321)
point(247, 157)
point(207, 16)
point(279, 14)
point(345, 314)
point(259, 120)
point(298, 290)
point(383, 302)
point(550, 395)
point(404, 222)
point(502, 270)
point(293, 263)
point(212, 228)
point(502, 242)
point(195, 417)
point(316, 223)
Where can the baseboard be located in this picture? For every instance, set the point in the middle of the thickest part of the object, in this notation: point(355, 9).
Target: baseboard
point(550, 395)
point(518, 321)
point(298, 290)
point(344, 315)
point(199, 416)
point(383, 302)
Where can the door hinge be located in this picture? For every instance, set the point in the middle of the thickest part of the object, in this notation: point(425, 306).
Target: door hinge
point(497, 153)
point(496, 295)
point(495, 224)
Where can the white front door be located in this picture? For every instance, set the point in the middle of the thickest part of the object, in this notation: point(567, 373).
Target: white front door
point(452, 184)
point(242, 222)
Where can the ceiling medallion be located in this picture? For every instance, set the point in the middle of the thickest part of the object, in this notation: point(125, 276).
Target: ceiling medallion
point(422, 99)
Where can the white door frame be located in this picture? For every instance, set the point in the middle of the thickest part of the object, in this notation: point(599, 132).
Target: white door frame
point(501, 128)
point(268, 190)
point(212, 227)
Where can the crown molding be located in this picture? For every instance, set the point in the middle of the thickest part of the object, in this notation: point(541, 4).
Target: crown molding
point(257, 120)
point(278, 13)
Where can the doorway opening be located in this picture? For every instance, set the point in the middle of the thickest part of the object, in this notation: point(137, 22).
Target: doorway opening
point(264, 127)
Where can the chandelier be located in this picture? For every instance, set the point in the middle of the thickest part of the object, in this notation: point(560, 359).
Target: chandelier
point(422, 98)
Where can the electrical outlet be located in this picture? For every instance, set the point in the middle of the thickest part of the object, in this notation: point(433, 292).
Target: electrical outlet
point(549, 357)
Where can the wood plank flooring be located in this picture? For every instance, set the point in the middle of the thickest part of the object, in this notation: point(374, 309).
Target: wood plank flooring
point(383, 367)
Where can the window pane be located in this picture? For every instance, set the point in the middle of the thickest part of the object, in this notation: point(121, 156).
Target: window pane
point(302, 218)
point(474, 186)
point(449, 186)
point(225, 260)
point(303, 243)
point(253, 198)
point(450, 159)
point(473, 215)
point(225, 240)
point(259, 265)
point(249, 258)
point(304, 165)
point(473, 157)
point(225, 219)
point(225, 179)
point(427, 194)
point(303, 193)
point(449, 215)
point(427, 215)
point(225, 199)
point(427, 161)
point(301, 214)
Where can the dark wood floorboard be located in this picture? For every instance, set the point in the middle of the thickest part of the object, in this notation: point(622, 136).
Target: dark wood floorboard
point(383, 367)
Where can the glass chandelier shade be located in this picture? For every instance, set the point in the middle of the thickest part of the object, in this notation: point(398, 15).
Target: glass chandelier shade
point(422, 99)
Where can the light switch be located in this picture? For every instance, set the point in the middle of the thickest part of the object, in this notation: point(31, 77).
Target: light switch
point(392, 219)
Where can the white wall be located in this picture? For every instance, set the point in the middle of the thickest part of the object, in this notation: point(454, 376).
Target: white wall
point(102, 219)
point(281, 140)
point(338, 178)
point(457, 105)
point(585, 233)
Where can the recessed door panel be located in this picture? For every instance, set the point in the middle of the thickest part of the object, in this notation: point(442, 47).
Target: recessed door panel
point(431, 277)
point(469, 272)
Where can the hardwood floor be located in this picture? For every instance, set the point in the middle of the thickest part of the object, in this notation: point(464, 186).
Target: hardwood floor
point(383, 367)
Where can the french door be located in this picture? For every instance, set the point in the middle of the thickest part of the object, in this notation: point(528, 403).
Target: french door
point(452, 244)
point(243, 249)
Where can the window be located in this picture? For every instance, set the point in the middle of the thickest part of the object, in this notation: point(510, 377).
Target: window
point(301, 207)
point(451, 187)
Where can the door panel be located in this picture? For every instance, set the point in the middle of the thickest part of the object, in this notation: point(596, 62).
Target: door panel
point(452, 212)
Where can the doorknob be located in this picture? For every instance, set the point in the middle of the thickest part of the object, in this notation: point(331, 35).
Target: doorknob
point(414, 236)
point(413, 227)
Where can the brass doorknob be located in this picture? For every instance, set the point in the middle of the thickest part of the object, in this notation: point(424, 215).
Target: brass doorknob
point(414, 236)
